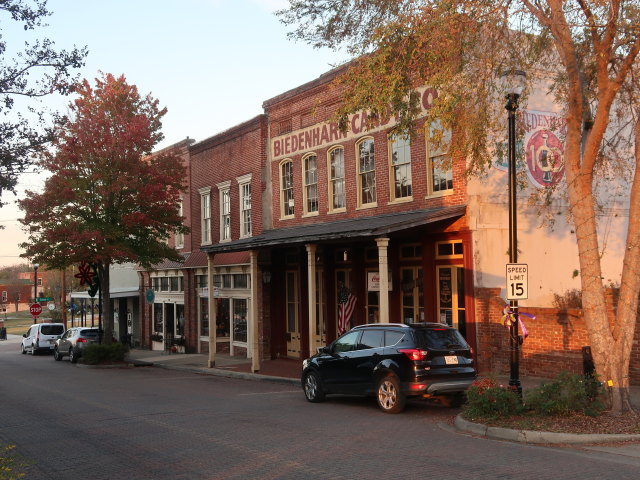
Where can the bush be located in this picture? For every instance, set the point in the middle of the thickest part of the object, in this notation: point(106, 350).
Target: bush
point(10, 467)
point(487, 399)
point(99, 353)
point(569, 393)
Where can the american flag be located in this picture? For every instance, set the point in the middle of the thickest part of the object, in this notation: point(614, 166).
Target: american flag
point(346, 306)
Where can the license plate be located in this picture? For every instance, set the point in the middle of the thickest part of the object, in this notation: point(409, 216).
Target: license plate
point(451, 359)
point(52, 342)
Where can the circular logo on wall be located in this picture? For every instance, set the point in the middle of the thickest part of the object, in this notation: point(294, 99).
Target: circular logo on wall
point(545, 158)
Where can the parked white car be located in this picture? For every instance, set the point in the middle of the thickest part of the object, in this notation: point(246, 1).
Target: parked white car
point(41, 337)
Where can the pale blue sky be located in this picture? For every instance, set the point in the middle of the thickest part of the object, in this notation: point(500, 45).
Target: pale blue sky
point(210, 62)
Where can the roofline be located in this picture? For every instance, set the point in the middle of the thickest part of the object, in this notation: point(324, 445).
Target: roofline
point(236, 131)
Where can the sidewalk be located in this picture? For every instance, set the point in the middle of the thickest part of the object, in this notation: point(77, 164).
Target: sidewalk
point(283, 370)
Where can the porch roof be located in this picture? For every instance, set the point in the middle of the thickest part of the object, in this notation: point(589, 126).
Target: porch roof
point(351, 228)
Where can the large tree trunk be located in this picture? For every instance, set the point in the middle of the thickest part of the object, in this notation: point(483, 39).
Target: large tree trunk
point(107, 311)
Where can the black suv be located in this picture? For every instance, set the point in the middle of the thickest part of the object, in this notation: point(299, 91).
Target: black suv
point(392, 361)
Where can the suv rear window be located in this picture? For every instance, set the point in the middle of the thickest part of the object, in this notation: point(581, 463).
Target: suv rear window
point(440, 338)
point(89, 333)
point(52, 330)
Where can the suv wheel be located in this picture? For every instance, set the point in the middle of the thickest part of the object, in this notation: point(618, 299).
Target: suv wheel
point(33, 349)
point(73, 356)
point(313, 388)
point(22, 350)
point(390, 398)
point(56, 354)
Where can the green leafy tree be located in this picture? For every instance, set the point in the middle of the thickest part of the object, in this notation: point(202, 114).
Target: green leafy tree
point(37, 71)
point(108, 200)
point(586, 51)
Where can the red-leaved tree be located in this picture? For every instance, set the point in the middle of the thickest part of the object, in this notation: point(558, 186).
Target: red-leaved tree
point(108, 199)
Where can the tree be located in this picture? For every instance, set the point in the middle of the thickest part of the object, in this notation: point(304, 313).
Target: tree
point(39, 70)
point(108, 199)
point(587, 52)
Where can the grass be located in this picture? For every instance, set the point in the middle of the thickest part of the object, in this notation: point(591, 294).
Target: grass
point(18, 323)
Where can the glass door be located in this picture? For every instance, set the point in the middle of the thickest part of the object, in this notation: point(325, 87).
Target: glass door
point(292, 320)
point(451, 309)
point(412, 294)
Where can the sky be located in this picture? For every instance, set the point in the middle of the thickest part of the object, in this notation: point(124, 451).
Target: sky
point(212, 63)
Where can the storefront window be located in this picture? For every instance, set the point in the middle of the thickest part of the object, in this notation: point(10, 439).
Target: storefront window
point(240, 320)
point(241, 280)
point(204, 317)
point(157, 317)
point(222, 317)
point(180, 320)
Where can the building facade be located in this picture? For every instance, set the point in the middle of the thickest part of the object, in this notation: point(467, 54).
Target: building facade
point(301, 230)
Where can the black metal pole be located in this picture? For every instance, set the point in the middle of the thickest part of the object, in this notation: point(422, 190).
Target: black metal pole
point(35, 288)
point(514, 342)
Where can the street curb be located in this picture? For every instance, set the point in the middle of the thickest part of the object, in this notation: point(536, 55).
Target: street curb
point(121, 365)
point(217, 372)
point(536, 437)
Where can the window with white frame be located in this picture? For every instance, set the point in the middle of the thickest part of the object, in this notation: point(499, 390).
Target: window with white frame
point(225, 210)
point(205, 215)
point(400, 167)
point(286, 188)
point(244, 184)
point(179, 236)
point(439, 165)
point(337, 198)
point(366, 172)
point(310, 164)
point(4, 296)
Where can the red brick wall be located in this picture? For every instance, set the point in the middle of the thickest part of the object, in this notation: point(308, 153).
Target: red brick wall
point(315, 103)
point(555, 341)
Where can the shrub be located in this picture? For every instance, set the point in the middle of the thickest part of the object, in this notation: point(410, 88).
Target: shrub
point(99, 353)
point(487, 399)
point(572, 298)
point(567, 394)
point(10, 467)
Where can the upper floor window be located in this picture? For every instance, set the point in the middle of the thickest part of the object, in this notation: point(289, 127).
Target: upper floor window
point(310, 163)
point(179, 237)
point(205, 215)
point(225, 211)
point(400, 167)
point(337, 196)
point(244, 184)
point(366, 172)
point(439, 165)
point(286, 188)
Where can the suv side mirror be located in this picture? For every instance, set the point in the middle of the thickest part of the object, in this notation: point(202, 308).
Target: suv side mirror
point(24, 335)
point(323, 349)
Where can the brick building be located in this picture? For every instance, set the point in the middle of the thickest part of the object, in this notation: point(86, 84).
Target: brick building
point(335, 215)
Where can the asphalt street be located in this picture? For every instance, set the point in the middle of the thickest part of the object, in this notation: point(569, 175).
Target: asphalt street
point(152, 423)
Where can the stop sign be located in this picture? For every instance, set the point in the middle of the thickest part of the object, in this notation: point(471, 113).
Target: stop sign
point(35, 309)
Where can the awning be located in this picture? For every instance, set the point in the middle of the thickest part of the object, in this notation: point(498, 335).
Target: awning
point(348, 229)
point(113, 293)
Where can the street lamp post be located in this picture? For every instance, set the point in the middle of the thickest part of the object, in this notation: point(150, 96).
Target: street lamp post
point(515, 84)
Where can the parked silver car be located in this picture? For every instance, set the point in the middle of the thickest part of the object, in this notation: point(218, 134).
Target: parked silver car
point(73, 341)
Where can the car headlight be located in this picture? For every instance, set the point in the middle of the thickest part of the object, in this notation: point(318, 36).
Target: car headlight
point(305, 362)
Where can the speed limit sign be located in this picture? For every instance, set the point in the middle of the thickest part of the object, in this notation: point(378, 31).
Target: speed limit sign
point(517, 281)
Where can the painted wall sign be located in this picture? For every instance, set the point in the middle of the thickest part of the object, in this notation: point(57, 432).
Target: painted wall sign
point(322, 135)
point(541, 146)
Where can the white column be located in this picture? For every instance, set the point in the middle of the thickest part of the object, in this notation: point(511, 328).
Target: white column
point(213, 321)
point(383, 271)
point(253, 317)
point(311, 282)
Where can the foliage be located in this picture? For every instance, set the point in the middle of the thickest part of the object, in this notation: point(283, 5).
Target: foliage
point(572, 298)
point(156, 337)
point(567, 394)
point(35, 72)
point(95, 354)
point(108, 199)
point(10, 468)
point(487, 399)
point(584, 52)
